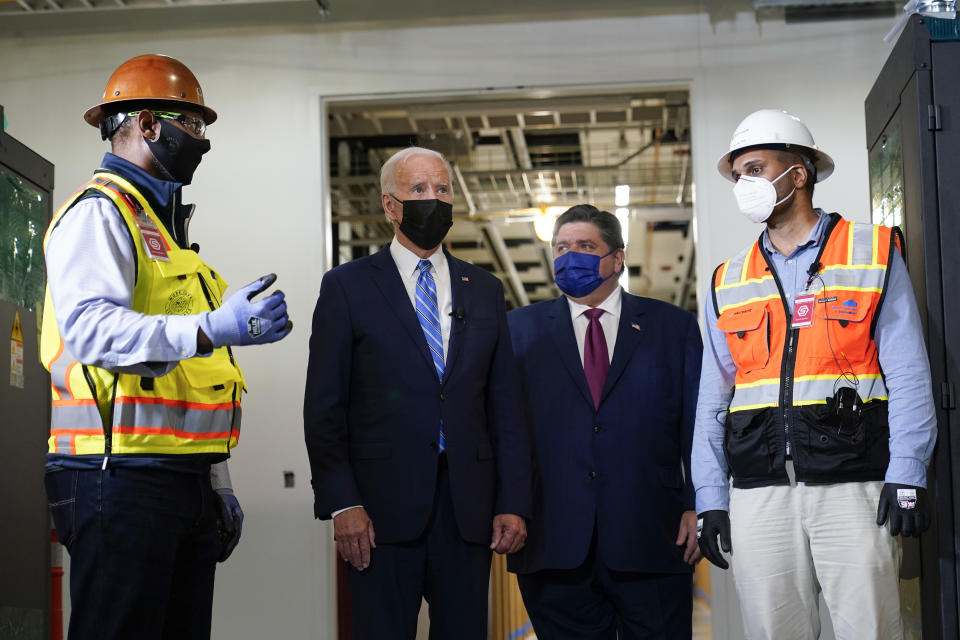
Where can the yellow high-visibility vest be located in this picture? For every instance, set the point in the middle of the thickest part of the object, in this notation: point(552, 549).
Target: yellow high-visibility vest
point(195, 408)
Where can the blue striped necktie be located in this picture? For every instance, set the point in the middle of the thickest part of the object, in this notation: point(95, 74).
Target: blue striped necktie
point(429, 315)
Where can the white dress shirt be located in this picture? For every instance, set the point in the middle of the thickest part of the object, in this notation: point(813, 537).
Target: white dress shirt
point(609, 321)
point(407, 262)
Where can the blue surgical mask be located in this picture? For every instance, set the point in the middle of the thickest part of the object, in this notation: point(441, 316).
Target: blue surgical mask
point(578, 274)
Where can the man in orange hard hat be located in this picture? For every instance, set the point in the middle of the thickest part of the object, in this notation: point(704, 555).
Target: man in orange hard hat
point(137, 336)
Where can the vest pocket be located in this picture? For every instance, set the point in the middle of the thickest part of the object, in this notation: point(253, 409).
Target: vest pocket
point(832, 453)
point(747, 329)
point(750, 443)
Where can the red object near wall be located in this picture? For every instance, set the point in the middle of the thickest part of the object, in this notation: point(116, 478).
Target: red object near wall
point(56, 587)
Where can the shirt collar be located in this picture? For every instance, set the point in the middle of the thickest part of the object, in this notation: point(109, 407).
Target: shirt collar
point(407, 260)
point(814, 239)
point(611, 305)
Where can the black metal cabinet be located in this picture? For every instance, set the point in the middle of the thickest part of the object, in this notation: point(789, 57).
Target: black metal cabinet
point(26, 190)
point(913, 137)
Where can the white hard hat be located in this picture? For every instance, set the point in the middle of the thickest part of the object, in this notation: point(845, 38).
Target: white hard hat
point(774, 128)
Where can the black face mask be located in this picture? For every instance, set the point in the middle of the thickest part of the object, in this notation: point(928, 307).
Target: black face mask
point(177, 152)
point(425, 222)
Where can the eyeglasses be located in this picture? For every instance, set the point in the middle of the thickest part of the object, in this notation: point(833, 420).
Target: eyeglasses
point(195, 126)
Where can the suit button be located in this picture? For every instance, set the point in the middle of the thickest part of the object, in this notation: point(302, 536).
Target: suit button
point(597, 429)
point(592, 475)
point(443, 397)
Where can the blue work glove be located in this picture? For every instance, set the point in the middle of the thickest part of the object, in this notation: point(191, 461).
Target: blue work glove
point(908, 506)
point(230, 523)
point(242, 321)
point(710, 525)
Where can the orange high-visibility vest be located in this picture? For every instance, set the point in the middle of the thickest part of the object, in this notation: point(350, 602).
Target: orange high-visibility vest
point(193, 409)
point(785, 374)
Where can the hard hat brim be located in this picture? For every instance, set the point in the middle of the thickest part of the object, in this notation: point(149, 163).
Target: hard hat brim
point(822, 162)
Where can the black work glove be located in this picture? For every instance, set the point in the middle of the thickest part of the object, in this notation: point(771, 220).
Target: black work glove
point(909, 509)
point(711, 524)
point(230, 524)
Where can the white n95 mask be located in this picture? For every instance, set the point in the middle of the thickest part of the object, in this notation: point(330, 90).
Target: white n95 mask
point(757, 196)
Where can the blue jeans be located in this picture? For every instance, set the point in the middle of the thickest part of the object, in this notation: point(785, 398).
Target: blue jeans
point(143, 547)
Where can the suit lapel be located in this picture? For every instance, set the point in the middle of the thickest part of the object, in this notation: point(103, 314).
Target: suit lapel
point(387, 279)
point(460, 300)
point(561, 330)
point(629, 336)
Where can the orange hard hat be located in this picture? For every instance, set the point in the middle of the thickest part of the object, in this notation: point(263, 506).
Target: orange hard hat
point(152, 79)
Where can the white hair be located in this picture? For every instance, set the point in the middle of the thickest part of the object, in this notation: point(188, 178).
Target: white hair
point(388, 172)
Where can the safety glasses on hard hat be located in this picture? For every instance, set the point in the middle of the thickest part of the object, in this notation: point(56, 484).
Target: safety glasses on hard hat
point(195, 126)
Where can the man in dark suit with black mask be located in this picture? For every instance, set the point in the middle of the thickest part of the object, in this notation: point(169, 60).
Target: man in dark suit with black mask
point(413, 419)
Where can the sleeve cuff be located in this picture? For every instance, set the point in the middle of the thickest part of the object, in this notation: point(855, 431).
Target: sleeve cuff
point(713, 498)
point(909, 471)
point(339, 511)
point(181, 333)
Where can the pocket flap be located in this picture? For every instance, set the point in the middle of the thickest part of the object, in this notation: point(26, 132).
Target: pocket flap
point(742, 318)
point(182, 262)
point(848, 309)
point(215, 370)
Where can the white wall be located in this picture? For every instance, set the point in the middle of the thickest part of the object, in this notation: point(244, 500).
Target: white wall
point(261, 206)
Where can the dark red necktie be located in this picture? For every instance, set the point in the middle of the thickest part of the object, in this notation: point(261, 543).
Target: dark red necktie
point(596, 360)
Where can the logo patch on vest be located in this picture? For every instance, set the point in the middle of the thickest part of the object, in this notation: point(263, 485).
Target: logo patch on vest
point(253, 327)
point(849, 307)
point(180, 303)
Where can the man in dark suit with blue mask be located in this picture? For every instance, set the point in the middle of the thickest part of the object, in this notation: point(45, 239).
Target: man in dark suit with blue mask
point(414, 424)
point(611, 380)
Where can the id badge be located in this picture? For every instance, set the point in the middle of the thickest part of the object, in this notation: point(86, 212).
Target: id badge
point(803, 311)
point(153, 242)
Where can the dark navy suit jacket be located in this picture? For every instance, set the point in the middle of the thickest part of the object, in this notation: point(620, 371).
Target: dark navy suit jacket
point(373, 403)
point(625, 466)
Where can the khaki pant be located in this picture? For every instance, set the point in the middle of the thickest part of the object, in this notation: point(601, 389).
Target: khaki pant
point(791, 542)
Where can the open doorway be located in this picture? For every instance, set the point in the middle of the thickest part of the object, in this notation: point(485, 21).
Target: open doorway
point(520, 159)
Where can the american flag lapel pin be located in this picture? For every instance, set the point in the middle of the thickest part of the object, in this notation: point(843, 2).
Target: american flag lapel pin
point(635, 326)
point(465, 278)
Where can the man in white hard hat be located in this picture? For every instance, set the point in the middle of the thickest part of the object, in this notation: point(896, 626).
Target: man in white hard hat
point(815, 397)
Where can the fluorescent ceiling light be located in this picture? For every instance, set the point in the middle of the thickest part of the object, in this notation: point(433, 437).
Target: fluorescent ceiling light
point(621, 195)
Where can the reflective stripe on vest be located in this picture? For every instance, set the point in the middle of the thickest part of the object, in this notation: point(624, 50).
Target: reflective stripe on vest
point(195, 408)
point(836, 351)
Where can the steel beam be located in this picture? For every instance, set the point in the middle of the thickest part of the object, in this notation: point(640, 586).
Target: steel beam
point(501, 258)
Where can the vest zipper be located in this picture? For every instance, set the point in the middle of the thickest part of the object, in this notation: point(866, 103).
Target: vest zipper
point(107, 428)
point(786, 386)
point(788, 361)
point(233, 411)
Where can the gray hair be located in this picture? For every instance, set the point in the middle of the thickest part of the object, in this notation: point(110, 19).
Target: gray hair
point(388, 172)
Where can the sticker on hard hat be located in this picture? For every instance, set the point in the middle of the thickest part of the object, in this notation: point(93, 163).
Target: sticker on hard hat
point(254, 327)
point(907, 498)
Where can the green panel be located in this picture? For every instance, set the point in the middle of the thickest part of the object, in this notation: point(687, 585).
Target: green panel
point(23, 221)
point(886, 182)
point(21, 624)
